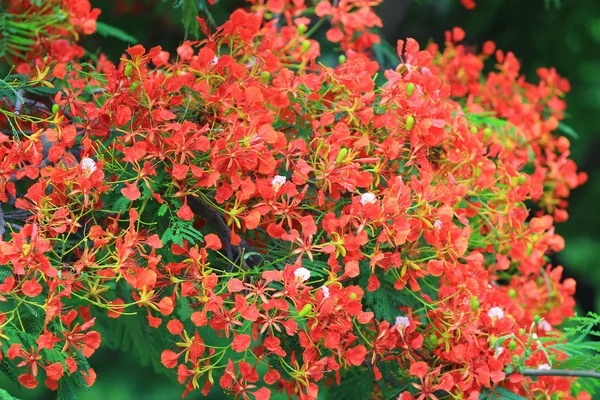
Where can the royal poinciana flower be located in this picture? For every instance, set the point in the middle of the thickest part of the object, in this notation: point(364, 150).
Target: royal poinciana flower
point(321, 226)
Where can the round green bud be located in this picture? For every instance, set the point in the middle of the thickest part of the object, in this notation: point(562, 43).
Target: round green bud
point(410, 120)
point(265, 75)
point(128, 69)
point(55, 108)
point(301, 29)
point(512, 345)
point(410, 88)
point(536, 318)
point(522, 179)
point(342, 59)
point(474, 303)
point(305, 310)
point(522, 331)
point(487, 133)
point(353, 296)
point(473, 130)
point(305, 46)
point(341, 155)
point(512, 293)
point(433, 338)
point(133, 86)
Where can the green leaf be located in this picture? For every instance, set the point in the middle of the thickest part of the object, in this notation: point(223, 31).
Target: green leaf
point(112, 31)
point(582, 362)
point(567, 130)
point(356, 386)
point(4, 395)
point(499, 394)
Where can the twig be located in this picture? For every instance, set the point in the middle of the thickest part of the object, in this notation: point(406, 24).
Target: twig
point(19, 102)
point(562, 372)
point(235, 254)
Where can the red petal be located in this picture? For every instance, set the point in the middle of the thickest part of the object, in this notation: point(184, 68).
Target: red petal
point(175, 327)
point(31, 288)
point(241, 342)
point(185, 213)
point(169, 358)
point(212, 241)
point(131, 191)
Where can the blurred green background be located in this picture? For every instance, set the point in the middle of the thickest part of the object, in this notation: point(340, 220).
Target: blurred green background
point(564, 34)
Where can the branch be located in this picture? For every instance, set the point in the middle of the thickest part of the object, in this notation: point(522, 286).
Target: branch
point(19, 102)
point(562, 372)
point(217, 222)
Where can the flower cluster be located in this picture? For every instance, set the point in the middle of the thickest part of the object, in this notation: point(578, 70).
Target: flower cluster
point(35, 29)
point(323, 227)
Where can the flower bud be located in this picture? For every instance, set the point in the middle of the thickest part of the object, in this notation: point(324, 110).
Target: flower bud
point(305, 310)
point(342, 59)
point(128, 69)
point(410, 120)
point(341, 155)
point(487, 133)
point(301, 29)
point(305, 46)
point(474, 303)
point(55, 108)
point(512, 345)
point(264, 76)
point(410, 88)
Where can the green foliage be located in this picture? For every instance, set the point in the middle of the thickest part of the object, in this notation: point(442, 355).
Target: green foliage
point(132, 334)
point(567, 130)
point(582, 353)
point(180, 230)
point(499, 394)
point(190, 9)
point(112, 31)
point(354, 386)
point(4, 395)
point(19, 33)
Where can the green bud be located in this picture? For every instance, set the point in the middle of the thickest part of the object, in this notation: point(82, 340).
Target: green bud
point(410, 120)
point(127, 70)
point(433, 338)
point(473, 130)
point(342, 59)
point(305, 310)
point(133, 86)
point(353, 296)
point(301, 29)
point(474, 303)
point(341, 155)
point(512, 345)
point(264, 76)
point(522, 331)
point(512, 293)
point(55, 108)
point(522, 179)
point(536, 318)
point(305, 46)
point(487, 133)
point(410, 88)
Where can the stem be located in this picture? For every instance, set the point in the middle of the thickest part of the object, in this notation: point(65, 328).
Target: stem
point(562, 372)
